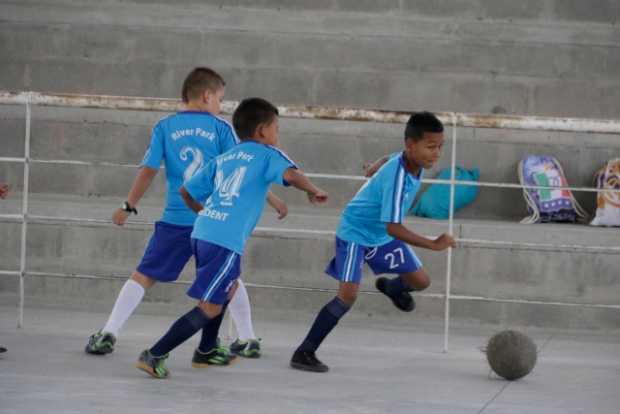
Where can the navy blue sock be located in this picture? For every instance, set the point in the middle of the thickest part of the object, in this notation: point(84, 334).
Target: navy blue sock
point(325, 321)
point(210, 331)
point(184, 328)
point(396, 286)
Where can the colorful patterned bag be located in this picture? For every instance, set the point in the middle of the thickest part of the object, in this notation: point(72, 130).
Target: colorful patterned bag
point(608, 202)
point(547, 205)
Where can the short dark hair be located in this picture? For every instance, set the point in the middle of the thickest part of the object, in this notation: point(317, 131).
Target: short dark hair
point(250, 113)
point(421, 122)
point(198, 81)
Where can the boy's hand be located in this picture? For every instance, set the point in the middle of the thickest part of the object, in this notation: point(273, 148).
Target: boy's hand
point(370, 168)
point(443, 242)
point(4, 190)
point(120, 216)
point(318, 197)
point(280, 207)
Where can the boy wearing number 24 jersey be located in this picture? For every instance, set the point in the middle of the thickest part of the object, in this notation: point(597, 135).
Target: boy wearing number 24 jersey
point(185, 142)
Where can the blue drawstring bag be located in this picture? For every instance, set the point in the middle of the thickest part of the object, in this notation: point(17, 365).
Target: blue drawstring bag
point(435, 201)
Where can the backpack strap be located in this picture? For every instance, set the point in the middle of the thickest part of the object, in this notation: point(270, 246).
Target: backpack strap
point(535, 213)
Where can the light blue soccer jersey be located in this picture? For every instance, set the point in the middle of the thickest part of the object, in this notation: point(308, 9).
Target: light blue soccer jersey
point(186, 142)
point(236, 184)
point(385, 198)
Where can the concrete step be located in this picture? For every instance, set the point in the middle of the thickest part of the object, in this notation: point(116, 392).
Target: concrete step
point(33, 42)
point(171, 299)
point(489, 271)
point(492, 283)
point(331, 147)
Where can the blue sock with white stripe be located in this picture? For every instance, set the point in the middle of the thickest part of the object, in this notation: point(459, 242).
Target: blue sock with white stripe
point(208, 341)
point(396, 286)
point(184, 328)
point(325, 321)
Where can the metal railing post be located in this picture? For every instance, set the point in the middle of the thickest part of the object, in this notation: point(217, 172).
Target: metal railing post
point(446, 332)
point(25, 192)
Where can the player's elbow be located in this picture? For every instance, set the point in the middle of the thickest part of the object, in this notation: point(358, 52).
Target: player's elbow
point(291, 176)
point(393, 229)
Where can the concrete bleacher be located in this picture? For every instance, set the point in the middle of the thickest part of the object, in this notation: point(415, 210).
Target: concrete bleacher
point(483, 275)
point(548, 57)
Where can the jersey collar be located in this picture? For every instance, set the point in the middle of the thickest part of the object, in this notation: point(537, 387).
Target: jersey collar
point(403, 163)
point(195, 113)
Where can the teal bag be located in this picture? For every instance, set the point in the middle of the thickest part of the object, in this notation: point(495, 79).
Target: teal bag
point(435, 201)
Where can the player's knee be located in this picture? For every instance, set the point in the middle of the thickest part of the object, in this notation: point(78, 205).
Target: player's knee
point(348, 295)
point(417, 280)
point(348, 298)
point(143, 280)
point(212, 310)
point(423, 283)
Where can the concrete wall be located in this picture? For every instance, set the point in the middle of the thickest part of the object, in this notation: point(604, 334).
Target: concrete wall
point(546, 57)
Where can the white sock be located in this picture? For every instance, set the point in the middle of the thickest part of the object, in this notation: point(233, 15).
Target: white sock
point(127, 301)
point(239, 308)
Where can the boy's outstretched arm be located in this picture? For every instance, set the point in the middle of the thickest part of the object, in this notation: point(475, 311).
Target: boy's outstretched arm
point(371, 168)
point(277, 204)
point(189, 200)
point(400, 232)
point(142, 182)
point(297, 179)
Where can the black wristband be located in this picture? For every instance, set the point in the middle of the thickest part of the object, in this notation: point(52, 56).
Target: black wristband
point(129, 208)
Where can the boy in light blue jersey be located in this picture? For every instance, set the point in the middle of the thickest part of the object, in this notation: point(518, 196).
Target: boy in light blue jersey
point(233, 188)
point(184, 142)
point(371, 231)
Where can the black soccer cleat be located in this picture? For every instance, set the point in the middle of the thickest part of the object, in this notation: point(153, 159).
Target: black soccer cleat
point(100, 343)
point(246, 349)
point(307, 361)
point(403, 301)
point(219, 356)
point(152, 365)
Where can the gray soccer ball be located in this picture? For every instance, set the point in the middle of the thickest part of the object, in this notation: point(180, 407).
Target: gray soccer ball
point(511, 354)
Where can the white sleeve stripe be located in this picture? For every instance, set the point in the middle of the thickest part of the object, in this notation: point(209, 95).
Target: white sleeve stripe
point(232, 129)
point(398, 195)
point(286, 157)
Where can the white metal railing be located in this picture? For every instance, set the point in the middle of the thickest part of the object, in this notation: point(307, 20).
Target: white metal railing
point(450, 118)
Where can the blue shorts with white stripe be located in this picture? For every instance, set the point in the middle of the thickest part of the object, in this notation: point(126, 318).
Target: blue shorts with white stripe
point(217, 269)
point(393, 257)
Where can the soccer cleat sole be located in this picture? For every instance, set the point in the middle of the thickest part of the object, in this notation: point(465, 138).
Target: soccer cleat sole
point(206, 365)
point(146, 368)
point(308, 368)
point(98, 352)
point(253, 355)
point(250, 356)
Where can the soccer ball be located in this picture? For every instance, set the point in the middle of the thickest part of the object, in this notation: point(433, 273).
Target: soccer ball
point(511, 354)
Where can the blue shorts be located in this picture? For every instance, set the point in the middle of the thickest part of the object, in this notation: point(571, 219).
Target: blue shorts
point(217, 270)
point(393, 257)
point(167, 252)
